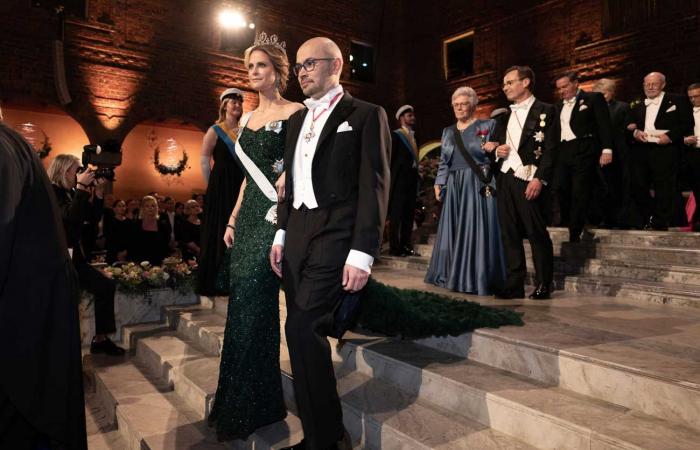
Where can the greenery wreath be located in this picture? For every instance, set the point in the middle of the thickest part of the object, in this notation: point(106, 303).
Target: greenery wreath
point(45, 149)
point(169, 170)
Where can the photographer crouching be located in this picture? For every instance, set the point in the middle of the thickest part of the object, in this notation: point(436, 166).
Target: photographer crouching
point(80, 198)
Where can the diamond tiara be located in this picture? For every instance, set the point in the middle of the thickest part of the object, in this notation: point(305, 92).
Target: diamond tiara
point(263, 39)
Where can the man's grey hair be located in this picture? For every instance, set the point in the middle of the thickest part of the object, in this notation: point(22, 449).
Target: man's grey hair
point(605, 85)
point(469, 93)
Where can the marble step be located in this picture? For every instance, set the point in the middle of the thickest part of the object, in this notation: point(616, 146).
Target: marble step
point(643, 270)
point(151, 416)
point(517, 406)
point(194, 377)
point(576, 253)
point(636, 238)
point(628, 281)
point(635, 291)
point(505, 401)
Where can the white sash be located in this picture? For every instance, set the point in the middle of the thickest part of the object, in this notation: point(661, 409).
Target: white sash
point(256, 174)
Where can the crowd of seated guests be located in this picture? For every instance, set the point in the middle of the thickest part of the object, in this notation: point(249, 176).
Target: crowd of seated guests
point(149, 229)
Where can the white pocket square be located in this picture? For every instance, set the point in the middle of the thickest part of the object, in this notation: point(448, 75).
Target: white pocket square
point(671, 109)
point(583, 107)
point(345, 126)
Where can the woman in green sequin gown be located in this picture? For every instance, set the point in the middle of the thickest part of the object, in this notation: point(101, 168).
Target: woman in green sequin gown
point(249, 393)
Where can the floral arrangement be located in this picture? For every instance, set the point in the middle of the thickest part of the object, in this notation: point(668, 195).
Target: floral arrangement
point(138, 279)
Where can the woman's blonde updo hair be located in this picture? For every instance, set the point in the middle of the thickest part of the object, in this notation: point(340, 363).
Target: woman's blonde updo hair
point(279, 60)
point(58, 168)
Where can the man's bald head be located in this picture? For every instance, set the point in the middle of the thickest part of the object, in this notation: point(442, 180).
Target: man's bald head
point(654, 84)
point(327, 69)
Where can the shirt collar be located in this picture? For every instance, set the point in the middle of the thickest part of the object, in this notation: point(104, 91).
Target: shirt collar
point(324, 101)
point(525, 104)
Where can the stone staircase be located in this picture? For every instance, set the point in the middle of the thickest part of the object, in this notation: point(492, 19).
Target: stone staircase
point(634, 266)
point(581, 374)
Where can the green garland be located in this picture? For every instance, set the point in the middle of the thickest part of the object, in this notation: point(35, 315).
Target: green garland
point(414, 314)
point(169, 170)
point(45, 149)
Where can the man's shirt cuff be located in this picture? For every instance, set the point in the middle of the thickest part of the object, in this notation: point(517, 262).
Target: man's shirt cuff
point(279, 238)
point(359, 259)
point(607, 150)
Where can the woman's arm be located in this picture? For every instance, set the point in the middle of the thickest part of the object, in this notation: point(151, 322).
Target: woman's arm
point(231, 226)
point(208, 144)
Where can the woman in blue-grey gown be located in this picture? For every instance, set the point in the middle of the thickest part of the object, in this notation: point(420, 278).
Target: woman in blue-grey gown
point(468, 253)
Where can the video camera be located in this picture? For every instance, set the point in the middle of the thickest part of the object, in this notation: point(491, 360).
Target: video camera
point(106, 157)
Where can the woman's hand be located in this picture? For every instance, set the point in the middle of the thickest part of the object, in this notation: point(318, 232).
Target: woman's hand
point(279, 186)
point(85, 179)
point(228, 236)
point(490, 146)
point(438, 191)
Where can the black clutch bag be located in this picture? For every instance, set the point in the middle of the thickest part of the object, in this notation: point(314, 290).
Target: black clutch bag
point(346, 313)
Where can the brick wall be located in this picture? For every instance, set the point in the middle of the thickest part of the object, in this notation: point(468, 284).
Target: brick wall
point(550, 36)
point(152, 60)
point(130, 62)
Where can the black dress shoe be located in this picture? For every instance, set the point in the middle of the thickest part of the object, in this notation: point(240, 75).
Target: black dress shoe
point(298, 446)
point(507, 294)
point(107, 347)
point(397, 253)
point(408, 251)
point(541, 293)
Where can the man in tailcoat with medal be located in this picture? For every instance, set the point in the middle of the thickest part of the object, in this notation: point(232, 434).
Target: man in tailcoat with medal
point(330, 226)
point(404, 183)
point(526, 158)
point(586, 139)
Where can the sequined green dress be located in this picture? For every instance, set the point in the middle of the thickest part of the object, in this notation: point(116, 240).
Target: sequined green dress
point(249, 394)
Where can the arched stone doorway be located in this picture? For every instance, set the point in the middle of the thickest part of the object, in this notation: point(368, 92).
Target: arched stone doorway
point(138, 175)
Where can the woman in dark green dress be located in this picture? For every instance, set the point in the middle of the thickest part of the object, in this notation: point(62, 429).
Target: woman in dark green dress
point(249, 393)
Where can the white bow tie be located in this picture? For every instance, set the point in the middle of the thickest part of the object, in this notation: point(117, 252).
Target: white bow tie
point(696, 109)
point(651, 101)
point(313, 103)
point(571, 101)
point(522, 106)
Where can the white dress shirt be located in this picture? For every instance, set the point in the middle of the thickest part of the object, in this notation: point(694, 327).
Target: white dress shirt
point(567, 133)
point(302, 169)
point(696, 130)
point(652, 112)
point(514, 131)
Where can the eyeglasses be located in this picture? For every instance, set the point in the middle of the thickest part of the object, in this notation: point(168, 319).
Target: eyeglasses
point(511, 82)
point(309, 65)
point(461, 105)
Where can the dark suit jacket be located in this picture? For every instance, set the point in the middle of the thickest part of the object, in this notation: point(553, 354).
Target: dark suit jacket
point(352, 166)
point(527, 146)
point(593, 121)
point(678, 122)
point(404, 176)
point(619, 118)
point(76, 209)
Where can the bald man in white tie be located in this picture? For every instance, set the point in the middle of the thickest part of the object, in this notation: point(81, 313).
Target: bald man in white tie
point(658, 126)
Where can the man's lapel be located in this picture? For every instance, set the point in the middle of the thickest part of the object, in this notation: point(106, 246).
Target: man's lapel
point(663, 107)
point(577, 105)
point(295, 123)
point(338, 116)
point(530, 122)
